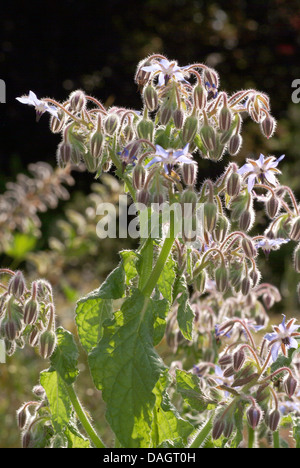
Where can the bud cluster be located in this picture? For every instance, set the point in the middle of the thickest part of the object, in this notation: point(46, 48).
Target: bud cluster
point(27, 316)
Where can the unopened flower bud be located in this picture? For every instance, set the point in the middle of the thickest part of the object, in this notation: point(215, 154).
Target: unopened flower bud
point(14, 323)
point(199, 282)
point(178, 118)
point(96, 144)
point(268, 126)
point(189, 129)
point(218, 428)
point(138, 176)
point(189, 173)
point(56, 124)
point(142, 76)
point(165, 114)
point(150, 97)
point(238, 359)
point(272, 206)
point(221, 278)
point(211, 79)
point(63, 154)
point(233, 184)
point(210, 216)
point(236, 270)
point(273, 419)
point(143, 197)
point(199, 97)
point(31, 310)
point(77, 101)
point(26, 439)
point(248, 247)
point(225, 360)
point(225, 119)
point(254, 415)
point(22, 416)
point(145, 129)
point(255, 277)
point(188, 201)
point(290, 385)
point(221, 229)
point(111, 124)
point(208, 137)
point(295, 229)
point(47, 343)
point(245, 220)
point(34, 337)
point(16, 285)
point(90, 162)
point(234, 144)
point(229, 426)
point(229, 372)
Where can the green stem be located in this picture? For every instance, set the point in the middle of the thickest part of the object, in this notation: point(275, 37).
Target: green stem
point(163, 256)
point(83, 418)
point(202, 434)
point(276, 439)
point(251, 437)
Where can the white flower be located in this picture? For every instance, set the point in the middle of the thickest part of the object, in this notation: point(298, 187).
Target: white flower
point(166, 70)
point(40, 106)
point(263, 169)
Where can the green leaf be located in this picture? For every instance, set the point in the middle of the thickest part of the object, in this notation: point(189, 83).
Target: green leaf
point(188, 385)
point(145, 263)
point(60, 405)
point(64, 359)
point(126, 367)
point(160, 309)
point(91, 313)
point(75, 439)
point(114, 285)
point(185, 314)
point(166, 279)
point(167, 424)
point(130, 259)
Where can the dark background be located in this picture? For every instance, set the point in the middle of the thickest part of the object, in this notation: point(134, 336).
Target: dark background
point(53, 48)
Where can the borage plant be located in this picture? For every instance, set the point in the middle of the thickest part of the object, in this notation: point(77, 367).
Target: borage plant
point(193, 283)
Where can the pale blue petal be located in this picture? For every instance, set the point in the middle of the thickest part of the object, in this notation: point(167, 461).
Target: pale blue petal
point(275, 350)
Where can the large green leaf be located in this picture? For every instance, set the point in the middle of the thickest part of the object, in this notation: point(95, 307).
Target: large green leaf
point(126, 367)
point(60, 405)
point(167, 426)
point(64, 359)
point(91, 313)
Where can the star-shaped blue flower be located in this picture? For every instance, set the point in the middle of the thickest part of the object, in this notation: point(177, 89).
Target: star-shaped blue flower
point(262, 170)
point(170, 157)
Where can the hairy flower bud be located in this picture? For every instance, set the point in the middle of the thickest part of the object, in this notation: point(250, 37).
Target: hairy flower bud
point(225, 119)
point(221, 229)
point(295, 229)
point(77, 101)
point(111, 124)
point(221, 278)
point(297, 259)
point(138, 176)
point(165, 114)
point(31, 311)
point(26, 439)
point(56, 124)
point(22, 416)
point(34, 337)
point(268, 126)
point(96, 144)
point(272, 206)
point(189, 129)
point(189, 202)
point(210, 216)
point(273, 419)
point(246, 220)
point(143, 197)
point(189, 173)
point(178, 118)
point(14, 321)
point(63, 154)
point(254, 415)
point(47, 343)
point(199, 97)
point(208, 137)
point(218, 428)
point(16, 285)
point(150, 97)
point(238, 359)
point(233, 184)
point(234, 144)
point(145, 129)
point(248, 247)
point(211, 78)
point(200, 281)
point(290, 385)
